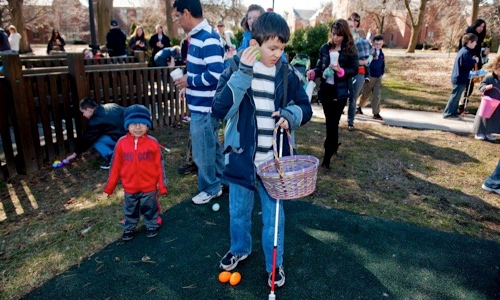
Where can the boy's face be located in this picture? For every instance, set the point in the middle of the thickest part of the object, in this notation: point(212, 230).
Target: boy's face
point(271, 51)
point(378, 44)
point(137, 129)
point(472, 44)
point(87, 113)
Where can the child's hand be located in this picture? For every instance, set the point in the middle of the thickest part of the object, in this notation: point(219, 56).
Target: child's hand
point(249, 55)
point(282, 122)
point(488, 87)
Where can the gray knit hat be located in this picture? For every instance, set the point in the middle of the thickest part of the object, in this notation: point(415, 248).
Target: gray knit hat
point(137, 114)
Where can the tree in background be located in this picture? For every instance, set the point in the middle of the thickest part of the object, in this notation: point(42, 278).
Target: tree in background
point(416, 17)
point(104, 14)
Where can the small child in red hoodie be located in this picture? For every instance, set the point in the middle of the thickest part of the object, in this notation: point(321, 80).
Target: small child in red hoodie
point(138, 162)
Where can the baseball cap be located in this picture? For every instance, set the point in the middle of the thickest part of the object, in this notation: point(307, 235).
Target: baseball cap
point(114, 22)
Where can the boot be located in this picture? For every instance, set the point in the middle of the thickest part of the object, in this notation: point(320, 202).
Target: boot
point(328, 156)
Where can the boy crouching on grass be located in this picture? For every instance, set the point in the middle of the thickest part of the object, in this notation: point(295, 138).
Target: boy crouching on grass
point(249, 96)
point(138, 162)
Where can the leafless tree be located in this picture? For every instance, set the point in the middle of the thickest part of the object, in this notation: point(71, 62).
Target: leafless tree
point(416, 13)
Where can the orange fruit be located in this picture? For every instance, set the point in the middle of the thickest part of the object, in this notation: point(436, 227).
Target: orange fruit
point(224, 276)
point(235, 278)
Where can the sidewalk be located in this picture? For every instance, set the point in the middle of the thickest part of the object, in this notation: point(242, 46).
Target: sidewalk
point(408, 119)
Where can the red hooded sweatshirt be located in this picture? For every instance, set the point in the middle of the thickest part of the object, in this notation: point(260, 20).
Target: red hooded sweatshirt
point(139, 165)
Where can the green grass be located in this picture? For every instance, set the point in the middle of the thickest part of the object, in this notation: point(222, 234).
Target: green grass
point(426, 178)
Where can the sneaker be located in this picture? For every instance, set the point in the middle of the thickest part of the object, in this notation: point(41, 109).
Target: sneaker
point(453, 117)
point(367, 79)
point(230, 261)
point(351, 127)
point(480, 136)
point(105, 166)
point(359, 111)
point(189, 168)
point(152, 232)
point(279, 277)
point(127, 235)
point(203, 197)
point(490, 138)
point(487, 188)
point(377, 117)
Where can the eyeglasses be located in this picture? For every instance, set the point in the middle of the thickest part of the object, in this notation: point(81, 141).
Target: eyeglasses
point(220, 25)
point(140, 125)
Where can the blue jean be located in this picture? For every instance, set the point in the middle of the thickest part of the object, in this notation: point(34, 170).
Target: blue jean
point(105, 146)
point(493, 181)
point(357, 83)
point(207, 152)
point(241, 202)
point(452, 105)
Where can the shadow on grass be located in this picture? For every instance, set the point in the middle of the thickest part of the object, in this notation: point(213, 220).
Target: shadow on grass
point(330, 254)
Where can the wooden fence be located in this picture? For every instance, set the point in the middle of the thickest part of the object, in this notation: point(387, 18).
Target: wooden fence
point(39, 114)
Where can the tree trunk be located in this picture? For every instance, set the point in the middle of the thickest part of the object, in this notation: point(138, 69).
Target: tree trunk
point(16, 12)
point(475, 10)
point(170, 22)
point(416, 24)
point(104, 15)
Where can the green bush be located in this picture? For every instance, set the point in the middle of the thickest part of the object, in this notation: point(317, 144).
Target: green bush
point(175, 41)
point(308, 41)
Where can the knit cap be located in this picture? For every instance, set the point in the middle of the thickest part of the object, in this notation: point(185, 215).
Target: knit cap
point(137, 113)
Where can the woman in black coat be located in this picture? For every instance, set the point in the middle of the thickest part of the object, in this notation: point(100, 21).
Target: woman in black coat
point(56, 42)
point(138, 41)
point(157, 42)
point(337, 65)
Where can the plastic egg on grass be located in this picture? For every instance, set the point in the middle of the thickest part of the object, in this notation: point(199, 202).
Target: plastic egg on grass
point(56, 163)
point(216, 207)
point(235, 278)
point(224, 276)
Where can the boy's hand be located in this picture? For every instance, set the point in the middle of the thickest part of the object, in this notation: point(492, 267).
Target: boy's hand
point(488, 87)
point(249, 55)
point(476, 58)
point(282, 122)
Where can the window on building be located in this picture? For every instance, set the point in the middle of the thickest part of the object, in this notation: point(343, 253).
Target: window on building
point(392, 37)
point(36, 34)
point(430, 34)
point(123, 11)
point(138, 14)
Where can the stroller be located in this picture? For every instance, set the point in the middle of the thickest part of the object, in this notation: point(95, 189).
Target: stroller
point(300, 64)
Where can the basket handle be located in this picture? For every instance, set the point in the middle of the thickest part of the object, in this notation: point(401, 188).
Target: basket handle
point(494, 87)
point(275, 148)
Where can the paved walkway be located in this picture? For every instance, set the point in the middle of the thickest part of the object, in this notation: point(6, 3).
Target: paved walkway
point(408, 119)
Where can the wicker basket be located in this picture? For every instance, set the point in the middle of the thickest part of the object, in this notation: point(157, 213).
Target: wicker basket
point(289, 177)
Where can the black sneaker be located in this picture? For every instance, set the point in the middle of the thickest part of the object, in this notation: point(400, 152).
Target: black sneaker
point(359, 111)
point(127, 235)
point(152, 232)
point(189, 168)
point(279, 277)
point(105, 166)
point(378, 117)
point(230, 261)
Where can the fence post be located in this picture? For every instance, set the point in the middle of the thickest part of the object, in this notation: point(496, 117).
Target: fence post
point(80, 87)
point(20, 119)
point(139, 56)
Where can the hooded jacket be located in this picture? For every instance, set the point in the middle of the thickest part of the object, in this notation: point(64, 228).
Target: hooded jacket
point(139, 165)
point(233, 102)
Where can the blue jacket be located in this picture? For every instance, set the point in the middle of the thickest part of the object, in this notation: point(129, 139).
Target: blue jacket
point(233, 102)
point(462, 66)
point(377, 66)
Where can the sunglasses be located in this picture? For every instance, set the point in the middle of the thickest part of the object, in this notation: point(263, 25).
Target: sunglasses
point(220, 25)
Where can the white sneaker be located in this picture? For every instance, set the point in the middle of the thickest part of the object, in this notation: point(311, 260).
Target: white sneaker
point(480, 136)
point(203, 197)
point(490, 138)
point(487, 188)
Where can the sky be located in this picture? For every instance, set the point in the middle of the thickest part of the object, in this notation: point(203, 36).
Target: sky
point(286, 5)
